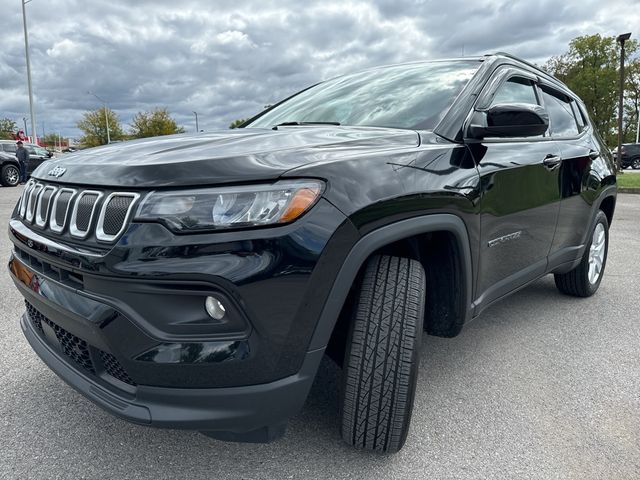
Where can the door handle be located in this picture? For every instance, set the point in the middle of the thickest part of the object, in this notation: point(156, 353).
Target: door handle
point(593, 154)
point(552, 161)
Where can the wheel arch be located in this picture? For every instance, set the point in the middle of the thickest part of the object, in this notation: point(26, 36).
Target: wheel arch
point(4, 163)
point(376, 241)
point(608, 206)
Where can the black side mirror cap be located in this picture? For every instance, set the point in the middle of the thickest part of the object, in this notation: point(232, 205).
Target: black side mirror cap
point(511, 121)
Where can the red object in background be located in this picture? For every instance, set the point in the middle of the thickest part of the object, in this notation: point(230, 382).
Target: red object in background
point(21, 136)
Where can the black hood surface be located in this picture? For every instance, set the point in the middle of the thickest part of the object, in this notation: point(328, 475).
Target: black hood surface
point(224, 156)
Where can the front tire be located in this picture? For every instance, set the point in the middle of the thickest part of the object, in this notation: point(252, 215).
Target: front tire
point(10, 176)
point(584, 280)
point(382, 354)
point(635, 163)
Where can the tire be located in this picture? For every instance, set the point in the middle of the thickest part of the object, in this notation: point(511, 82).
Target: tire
point(635, 163)
point(10, 175)
point(382, 354)
point(577, 282)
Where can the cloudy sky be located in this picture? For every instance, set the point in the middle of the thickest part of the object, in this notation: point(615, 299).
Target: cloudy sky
point(227, 59)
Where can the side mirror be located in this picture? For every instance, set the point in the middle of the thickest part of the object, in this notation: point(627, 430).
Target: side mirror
point(510, 121)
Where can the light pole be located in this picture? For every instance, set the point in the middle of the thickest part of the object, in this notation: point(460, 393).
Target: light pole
point(621, 39)
point(106, 117)
point(26, 49)
point(24, 120)
point(197, 129)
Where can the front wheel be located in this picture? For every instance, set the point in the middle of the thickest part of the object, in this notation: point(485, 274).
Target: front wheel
point(10, 176)
point(584, 280)
point(382, 354)
point(635, 163)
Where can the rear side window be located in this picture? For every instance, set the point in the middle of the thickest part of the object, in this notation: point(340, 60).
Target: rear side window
point(561, 119)
point(9, 147)
point(515, 90)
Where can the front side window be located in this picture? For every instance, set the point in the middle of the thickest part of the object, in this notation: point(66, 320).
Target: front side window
point(415, 96)
point(561, 119)
point(515, 90)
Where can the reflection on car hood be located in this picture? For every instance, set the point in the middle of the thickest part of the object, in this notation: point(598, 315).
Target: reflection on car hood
point(225, 156)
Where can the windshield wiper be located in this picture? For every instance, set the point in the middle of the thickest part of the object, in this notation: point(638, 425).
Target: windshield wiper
point(291, 124)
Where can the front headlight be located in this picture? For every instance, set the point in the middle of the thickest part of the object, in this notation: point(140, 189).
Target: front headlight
point(231, 207)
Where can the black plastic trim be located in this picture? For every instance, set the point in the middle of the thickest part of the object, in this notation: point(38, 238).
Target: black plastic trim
point(378, 239)
point(234, 410)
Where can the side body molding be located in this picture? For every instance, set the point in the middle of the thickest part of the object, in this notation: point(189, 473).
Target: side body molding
point(378, 239)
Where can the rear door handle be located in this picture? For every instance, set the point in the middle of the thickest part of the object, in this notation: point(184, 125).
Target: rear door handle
point(552, 161)
point(593, 154)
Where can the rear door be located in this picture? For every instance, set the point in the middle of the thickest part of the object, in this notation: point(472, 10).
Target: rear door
point(570, 130)
point(520, 196)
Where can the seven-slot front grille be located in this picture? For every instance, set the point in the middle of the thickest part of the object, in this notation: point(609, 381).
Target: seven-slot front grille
point(77, 211)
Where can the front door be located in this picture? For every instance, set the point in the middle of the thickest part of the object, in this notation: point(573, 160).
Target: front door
point(519, 204)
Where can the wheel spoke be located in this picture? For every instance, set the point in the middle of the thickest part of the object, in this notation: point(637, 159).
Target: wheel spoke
point(597, 253)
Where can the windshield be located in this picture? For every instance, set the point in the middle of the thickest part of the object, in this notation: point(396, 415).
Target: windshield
point(414, 96)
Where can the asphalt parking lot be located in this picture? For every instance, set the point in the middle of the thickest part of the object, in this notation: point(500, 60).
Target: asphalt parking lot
point(541, 386)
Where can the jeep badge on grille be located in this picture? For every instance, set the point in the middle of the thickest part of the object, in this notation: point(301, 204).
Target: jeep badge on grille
point(57, 172)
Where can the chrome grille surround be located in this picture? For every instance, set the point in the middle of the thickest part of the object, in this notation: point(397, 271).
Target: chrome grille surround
point(76, 212)
point(34, 193)
point(73, 225)
point(22, 209)
point(41, 217)
point(100, 233)
point(53, 224)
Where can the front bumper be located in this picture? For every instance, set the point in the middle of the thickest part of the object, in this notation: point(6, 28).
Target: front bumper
point(100, 312)
point(236, 410)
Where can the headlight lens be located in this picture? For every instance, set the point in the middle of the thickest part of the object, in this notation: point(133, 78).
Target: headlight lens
point(231, 207)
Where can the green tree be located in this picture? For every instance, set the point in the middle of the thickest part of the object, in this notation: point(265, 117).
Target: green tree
point(154, 123)
point(632, 100)
point(51, 140)
point(7, 128)
point(94, 127)
point(590, 69)
point(237, 123)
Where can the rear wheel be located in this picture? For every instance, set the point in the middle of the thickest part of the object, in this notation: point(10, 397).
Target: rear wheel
point(584, 280)
point(635, 163)
point(382, 354)
point(10, 176)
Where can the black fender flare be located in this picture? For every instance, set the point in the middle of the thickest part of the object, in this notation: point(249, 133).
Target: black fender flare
point(377, 239)
point(607, 192)
point(15, 163)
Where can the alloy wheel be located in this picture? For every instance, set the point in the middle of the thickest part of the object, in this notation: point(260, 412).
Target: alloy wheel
point(597, 253)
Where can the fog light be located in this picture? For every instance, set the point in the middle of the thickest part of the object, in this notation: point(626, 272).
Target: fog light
point(214, 308)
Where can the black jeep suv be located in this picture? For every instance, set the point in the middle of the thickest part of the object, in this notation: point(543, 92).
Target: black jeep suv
point(196, 281)
point(630, 156)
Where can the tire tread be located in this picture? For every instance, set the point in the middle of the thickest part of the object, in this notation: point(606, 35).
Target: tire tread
point(382, 355)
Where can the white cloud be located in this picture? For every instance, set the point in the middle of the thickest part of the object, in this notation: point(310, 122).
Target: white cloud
point(227, 59)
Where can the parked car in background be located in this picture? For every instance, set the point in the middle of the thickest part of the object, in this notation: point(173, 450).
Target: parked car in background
point(630, 155)
point(37, 154)
point(9, 169)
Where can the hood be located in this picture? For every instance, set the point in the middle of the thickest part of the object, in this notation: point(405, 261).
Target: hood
point(225, 156)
